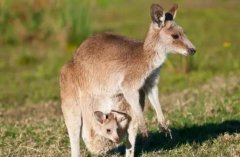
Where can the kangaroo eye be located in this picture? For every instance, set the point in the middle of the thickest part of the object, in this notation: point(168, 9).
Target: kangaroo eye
point(175, 36)
point(109, 131)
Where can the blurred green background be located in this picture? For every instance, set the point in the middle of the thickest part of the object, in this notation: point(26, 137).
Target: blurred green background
point(38, 36)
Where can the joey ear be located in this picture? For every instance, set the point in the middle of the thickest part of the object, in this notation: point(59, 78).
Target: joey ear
point(99, 116)
point(157, 14)
point(119, 116)
point(110, 115)
point(171, 14)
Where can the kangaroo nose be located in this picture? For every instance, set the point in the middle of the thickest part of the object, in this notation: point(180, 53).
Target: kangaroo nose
point(191, 51)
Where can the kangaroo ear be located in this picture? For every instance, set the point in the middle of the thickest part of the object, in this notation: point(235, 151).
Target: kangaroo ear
point(99, 117)
point(171, 14)
point(157, 15)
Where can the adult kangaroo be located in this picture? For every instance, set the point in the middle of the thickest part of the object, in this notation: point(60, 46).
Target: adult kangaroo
point(107, 65)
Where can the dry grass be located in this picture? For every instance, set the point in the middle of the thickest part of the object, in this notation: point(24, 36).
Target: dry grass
point(39, 130)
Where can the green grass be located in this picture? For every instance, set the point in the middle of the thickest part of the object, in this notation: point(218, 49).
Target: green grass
point(200, 95)
point(204, 121)
point(37, 21)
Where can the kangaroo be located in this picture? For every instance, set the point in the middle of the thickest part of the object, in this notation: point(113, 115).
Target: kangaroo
point(105, 136)
point(113, 129)
point(106, 65)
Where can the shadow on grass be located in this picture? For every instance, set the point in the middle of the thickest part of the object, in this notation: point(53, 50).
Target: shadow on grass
point(191, 135)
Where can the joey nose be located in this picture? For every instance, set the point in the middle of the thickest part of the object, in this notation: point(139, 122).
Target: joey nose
point(116, 140)
point(191, 51)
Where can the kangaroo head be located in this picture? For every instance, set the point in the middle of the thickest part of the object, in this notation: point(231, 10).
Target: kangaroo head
point(165, 34)
point(108, 125)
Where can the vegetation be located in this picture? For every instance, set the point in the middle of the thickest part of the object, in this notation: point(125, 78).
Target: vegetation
point(26, 21)
point(200, 95)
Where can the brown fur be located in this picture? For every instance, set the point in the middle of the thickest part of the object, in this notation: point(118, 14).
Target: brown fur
point(108, 51)
point(100, 145)
point(108, 65)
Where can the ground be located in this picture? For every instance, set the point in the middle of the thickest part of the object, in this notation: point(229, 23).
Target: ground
point(200, 95)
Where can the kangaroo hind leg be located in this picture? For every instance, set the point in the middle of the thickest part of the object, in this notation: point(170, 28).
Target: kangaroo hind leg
point(73, 121)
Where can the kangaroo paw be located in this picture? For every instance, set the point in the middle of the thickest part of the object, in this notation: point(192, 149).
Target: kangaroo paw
point(144, 131)
point(164, 128)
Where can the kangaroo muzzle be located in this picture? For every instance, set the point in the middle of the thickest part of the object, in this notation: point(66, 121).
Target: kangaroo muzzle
point(191, 51)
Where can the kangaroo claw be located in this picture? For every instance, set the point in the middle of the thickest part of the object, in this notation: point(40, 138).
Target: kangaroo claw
point(145, 134)
point(144, 131)
point(164, 128)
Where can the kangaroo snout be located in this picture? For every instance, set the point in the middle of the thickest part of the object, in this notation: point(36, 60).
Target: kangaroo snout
point(191, 51)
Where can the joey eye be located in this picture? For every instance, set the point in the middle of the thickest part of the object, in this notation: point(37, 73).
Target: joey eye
point(175, 36)
point(109, 131)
